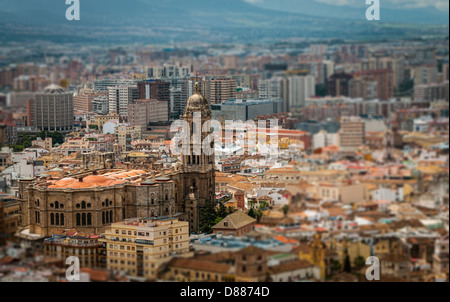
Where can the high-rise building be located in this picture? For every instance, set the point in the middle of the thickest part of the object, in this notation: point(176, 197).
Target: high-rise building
point(271, 88)
point(154, 89)
point(119, 97)
point(140, 247)
point(85, 100)
point(243, 110)
point(425, 74)
point(432, 92)
point(178, 96)
point(220, 90)
point(366, 89)
point(143, 112)
point(53, 109)
point(384, 79)
point(100, 104)
point(103, 84)
point(352, 134)
point(299, 88)
point(338, 84)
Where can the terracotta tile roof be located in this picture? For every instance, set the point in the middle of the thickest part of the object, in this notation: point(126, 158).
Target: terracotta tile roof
point(290, 266)
point(96, 275)
point(304, 248)
point(235, 221)
point(395, 258)
point(199, 265)
point(246, 187)
point(250, 250)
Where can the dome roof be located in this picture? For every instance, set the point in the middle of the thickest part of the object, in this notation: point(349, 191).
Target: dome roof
point(197, 101)
point(54, 89)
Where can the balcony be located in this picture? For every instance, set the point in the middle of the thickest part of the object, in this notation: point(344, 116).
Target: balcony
point(143, 241)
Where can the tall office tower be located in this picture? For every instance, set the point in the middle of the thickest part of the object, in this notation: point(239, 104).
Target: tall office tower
point(218, 90)
point(352, 134)
point(143, 112)
point(397, 65)
point(2, 100)
point(384, 79)
point(366, 89)
point(338, 84)
point(30, 112)
point(100, 105)
point(327, 71)
point(178, 96)
point(445, 72)
point(103, 84)
point(425, 74)
point(271, 88)
point(53, 109)
point(432, 92)
point(154, 89)
point(84, 101)
point(18, 100)
point(119, 97)
point(299, 88)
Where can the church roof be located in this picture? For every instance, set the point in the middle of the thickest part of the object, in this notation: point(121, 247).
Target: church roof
point(234, 221)
point(197, 102)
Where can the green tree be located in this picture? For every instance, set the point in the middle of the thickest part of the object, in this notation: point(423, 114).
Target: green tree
point(222, 211)
point(251, 213)
point(285, 209)
point(263, 205)
point(359, 262)
point(251, 203)
point(218, 219)
point(335, 266)
point(258, 214)
point(347, 264)
point(17, 148)
point(230, 210)
point(208, 216)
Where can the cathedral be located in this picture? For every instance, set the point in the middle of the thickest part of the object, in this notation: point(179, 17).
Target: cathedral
point(93, 199)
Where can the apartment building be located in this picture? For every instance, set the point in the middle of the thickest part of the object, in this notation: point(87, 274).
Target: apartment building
point(139, 247)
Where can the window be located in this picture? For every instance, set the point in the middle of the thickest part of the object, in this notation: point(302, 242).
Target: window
point(78, 219)
point(83, 204)
point(56, 205)
point(83, 219)
point(89, 219)
point(52, 219)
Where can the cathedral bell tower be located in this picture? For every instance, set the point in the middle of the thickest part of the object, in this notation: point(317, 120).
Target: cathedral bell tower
point(196, 182)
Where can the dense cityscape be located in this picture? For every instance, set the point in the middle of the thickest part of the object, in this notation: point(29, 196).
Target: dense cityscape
point(318, 157)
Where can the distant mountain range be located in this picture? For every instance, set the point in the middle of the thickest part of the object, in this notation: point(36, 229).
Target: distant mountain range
point(389, 10)
point(163, 21)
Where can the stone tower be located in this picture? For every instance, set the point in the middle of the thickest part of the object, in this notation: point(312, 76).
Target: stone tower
point(196, 172)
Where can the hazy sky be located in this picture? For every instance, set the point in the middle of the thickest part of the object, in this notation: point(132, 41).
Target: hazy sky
point(440, 4)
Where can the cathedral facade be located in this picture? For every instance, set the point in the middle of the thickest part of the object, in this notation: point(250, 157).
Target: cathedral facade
point(90, 201)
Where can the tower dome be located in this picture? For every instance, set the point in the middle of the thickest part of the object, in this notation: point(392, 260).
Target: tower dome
point(197, 102)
